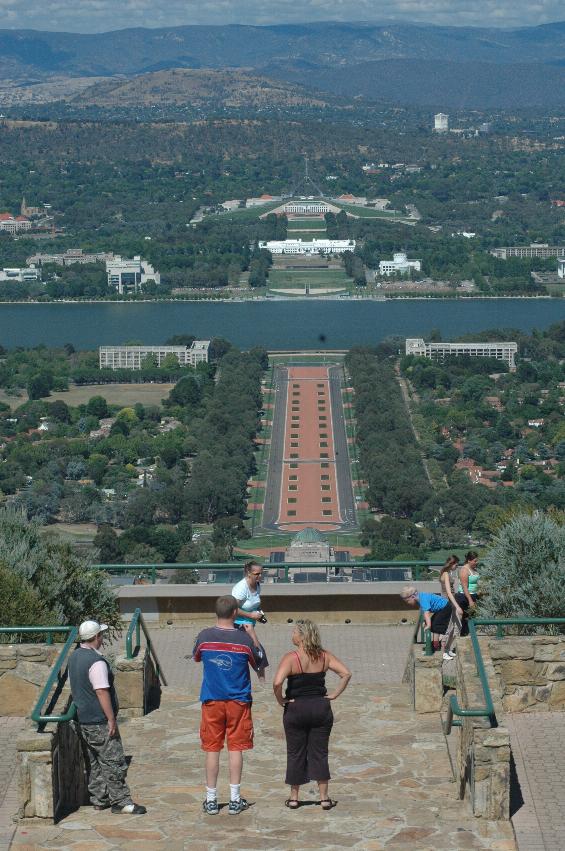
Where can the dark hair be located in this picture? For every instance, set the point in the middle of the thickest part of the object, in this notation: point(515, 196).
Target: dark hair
point(226, 607)
point(450, 562)
point(471, 556)
point(249, 564)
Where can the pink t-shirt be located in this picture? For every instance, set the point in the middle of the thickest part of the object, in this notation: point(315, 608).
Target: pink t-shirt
point(98, 672)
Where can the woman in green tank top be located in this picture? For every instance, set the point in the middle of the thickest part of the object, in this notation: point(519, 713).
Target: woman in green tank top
point(469, 578)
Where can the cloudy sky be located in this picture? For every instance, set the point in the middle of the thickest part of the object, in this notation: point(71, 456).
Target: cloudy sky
point(102, 15)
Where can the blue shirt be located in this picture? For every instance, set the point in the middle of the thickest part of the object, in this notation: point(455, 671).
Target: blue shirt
point(248, 600)
point(431, 602)
point(226, 655)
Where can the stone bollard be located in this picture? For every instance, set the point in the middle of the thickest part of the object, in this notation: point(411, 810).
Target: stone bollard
point(428, 681)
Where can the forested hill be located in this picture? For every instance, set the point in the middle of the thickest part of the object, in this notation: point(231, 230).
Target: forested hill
point(25, 53)
point(434, 83)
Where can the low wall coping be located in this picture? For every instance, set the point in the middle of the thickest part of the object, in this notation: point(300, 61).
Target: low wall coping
point(306, 589)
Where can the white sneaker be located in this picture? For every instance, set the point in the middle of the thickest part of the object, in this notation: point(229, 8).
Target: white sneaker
point(448, 656)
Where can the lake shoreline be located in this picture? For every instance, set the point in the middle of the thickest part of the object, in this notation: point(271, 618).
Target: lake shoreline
point(274, 299)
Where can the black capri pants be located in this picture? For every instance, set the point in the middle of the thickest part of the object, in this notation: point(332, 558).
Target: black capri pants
point(307, 724)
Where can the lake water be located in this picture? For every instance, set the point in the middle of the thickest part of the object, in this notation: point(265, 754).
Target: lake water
point(321, 324)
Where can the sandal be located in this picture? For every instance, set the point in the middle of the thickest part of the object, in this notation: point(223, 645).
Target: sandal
point(292, 803)
point(327, 804)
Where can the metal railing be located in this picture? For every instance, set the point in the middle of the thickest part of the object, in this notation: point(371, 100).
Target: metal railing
point(48, 631)
point(283, 572)
point(137, 623)
point(56, 679)
point(487, 711)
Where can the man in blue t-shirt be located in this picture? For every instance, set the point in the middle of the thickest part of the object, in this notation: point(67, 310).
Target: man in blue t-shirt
point(439, 616)
point(226, 653)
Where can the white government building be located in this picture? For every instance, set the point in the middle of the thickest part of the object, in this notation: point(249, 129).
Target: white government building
point(535, 249)
point(438, 351)
point(132, 357)
point(561, 267)
point(308, 246)
point(441, 122)
point(130, 275)
point(399, 265)
point(20, 276)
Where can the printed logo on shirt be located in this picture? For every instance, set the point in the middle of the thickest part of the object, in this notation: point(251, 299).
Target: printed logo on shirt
point(222, 661)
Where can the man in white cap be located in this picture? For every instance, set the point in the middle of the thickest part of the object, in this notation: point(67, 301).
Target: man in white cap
point(92, 688)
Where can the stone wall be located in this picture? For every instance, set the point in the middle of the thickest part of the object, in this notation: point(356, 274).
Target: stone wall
point(24, 669)
point(484, 751)
point(52, 778)
point(530, 671)
point(137, 685)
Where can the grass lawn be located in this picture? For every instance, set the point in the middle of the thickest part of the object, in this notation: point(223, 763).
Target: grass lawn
point(244, 214)
point(13, 401)
point(371, 213)
point(115, 394)
point(306, 224)
point(288, 279)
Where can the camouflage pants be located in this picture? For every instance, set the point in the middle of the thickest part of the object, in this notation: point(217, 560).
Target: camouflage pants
point(107, 766)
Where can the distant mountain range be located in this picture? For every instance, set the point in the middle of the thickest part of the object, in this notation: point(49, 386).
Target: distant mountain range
point(410, 64)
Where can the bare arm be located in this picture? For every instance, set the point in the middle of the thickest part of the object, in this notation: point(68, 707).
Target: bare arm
point(343, 673)
point(464, 580)
point(103, 695)
point(446, 582)
point(284, 669)
point(427, 619)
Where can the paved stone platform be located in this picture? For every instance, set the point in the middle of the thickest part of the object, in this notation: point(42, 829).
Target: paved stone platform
point(539, 797)
point(375, 654)
point(9, 730)
point(391, 778)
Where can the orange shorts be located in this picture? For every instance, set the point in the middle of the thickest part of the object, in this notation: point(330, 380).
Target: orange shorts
point(226, 718)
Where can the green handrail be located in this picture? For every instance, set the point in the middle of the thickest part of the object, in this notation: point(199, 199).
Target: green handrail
point(487, 711)
point(55, 677)
point(425, 635)
point(417, 567)
point(49, 631)
point(137, 623)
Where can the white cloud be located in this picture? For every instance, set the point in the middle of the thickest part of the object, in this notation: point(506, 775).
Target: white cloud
point(103, 15)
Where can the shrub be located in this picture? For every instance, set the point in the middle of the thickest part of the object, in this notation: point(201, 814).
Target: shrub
point(20, 603)
point(62, 580)
point(523, 571)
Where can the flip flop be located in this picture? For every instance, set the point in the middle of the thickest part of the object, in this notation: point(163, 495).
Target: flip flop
point(292, 804)
point(329, 804)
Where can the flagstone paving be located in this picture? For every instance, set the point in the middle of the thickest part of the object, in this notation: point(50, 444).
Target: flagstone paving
point(391, 779)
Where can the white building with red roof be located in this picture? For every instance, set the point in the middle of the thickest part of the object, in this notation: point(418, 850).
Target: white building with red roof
point(13, 224)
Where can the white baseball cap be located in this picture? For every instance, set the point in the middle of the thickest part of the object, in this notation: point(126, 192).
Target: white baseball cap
point(88, 629)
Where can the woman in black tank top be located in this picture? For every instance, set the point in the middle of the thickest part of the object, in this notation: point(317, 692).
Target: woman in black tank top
point(308, 716)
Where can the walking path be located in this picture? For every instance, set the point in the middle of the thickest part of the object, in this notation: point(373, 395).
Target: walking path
point(391, 774)
point(9, 731)
point(309, 480)
point(539, 799)
point(373, 653)
point(392, 777)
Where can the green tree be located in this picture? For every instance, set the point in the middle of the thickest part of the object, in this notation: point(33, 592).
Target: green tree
point(97, 406)
point(39, 386)
point(108, 545)
point(227, 532)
